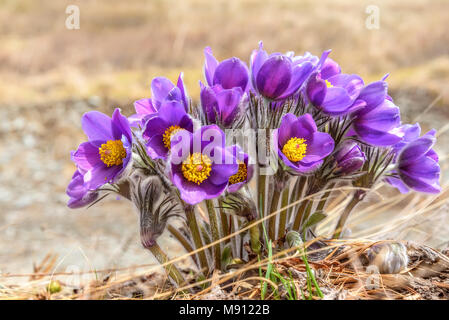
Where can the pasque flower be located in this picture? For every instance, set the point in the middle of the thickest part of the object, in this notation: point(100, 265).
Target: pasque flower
point(229, 73)
point(349, 157)
point(245, 171)
point(411, 133)
point(105, 156)
point(79, 194)
point(378, 122)
point(163, 125)
point(220, 102)
point(417, 166)
point(162, 90)
point(300, 145)
point(200, 166)
point(335, 94)
point(278, 76)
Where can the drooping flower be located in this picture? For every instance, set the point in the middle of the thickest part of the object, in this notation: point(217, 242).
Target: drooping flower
point(411, 133)
point(162, 90)
point(79, 194)
point(220, 102)
point(336, 94)
point(300, 145)
point(160, 128)
point(200, 164)
point(245, 171)
point(378, 122)
point(349, 157)
point(417, 166)
point(105, 156)
point(278, 76)
point(229, 73)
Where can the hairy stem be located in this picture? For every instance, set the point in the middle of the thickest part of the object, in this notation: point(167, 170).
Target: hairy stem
point(215, 232)
point(183, 240)
point(283, 214)
point(356, 198)
point(272, 220)
point(261, 194)
point(196, 236)
point(325, 197)
point(171, 269)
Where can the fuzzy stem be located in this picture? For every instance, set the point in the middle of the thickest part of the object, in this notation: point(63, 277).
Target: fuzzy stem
point(325, 197)
point(300, 214)
point(196, 236)
point(224, 221)
point(283, 214)
point(171, 269)
point(272, 220)
point(261, 194)
point(356, 198)
point(215, 232)
point(184, 242)
point(297, 192)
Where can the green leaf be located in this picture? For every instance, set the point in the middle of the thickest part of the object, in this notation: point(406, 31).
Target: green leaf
point(314, 219)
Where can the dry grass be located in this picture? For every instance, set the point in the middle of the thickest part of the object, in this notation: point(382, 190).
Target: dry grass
point(121, 46)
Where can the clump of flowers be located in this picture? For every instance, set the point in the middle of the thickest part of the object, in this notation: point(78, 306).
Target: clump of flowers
point(264, 139)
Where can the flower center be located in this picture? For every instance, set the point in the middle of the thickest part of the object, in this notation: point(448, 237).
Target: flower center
point(328, 84)
point(295, 149)
point(196, 168)
point(241, 174)
point(112, 153)
point(168, 134)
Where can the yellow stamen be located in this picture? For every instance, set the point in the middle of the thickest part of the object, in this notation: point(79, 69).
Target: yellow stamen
point(328, 84)
point(112, 153)
point(196, 168)
point(168, 134)
point(241, 174)
point(295, 149)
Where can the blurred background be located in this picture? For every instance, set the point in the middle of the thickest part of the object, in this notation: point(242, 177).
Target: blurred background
point(50, 75)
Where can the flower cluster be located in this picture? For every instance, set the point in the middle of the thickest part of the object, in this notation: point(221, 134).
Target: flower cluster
point(324, 128)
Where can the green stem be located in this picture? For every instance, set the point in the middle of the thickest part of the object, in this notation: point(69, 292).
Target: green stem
point(215, 232)
point(356, 198)
point(171, 269)
point(196, 236)
point(300, 214)
point(184, 242)
point(297, 192)
point(272, 220)
point(325, 197)
point(283, 214)
point(261, 194)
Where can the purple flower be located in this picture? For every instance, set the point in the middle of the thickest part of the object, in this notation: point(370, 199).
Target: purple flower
point(245, 171)
point(335, 95)
point(162, 90)
point(200, 164)
point(160, 128)
point(277, 76)
point(229, 73)
point(300, 145)
point(221, 102)
point(105, 156)
point(349, 157)
point(411, 133)
point(377, 123)
point(417, 166)
point(80, 196)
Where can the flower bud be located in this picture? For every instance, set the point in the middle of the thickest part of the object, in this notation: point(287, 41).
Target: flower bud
point(349, 157)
